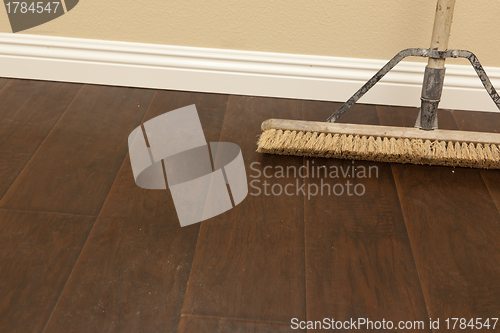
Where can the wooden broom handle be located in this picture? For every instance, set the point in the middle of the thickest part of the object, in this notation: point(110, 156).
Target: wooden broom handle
point(441, 30)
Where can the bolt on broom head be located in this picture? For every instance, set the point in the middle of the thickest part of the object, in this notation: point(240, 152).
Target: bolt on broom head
point(380, 143)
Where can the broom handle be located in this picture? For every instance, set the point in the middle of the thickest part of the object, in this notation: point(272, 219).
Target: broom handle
point(432, 86)
point(441, 30)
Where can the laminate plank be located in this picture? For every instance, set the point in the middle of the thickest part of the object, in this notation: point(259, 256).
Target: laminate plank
point(37, 253)
point(482, 122)
point(76, 165)
point(406, 117)
point(454, 229)
point(133, 271)
point(249, 261)
point(477, 121)
point(359, 262)
point(3, 82)
point(28, 111)
point(190, 324)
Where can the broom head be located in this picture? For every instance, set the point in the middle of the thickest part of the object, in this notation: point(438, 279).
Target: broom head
point(380, 143)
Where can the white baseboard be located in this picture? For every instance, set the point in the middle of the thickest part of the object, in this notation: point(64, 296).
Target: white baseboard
point(230, 71)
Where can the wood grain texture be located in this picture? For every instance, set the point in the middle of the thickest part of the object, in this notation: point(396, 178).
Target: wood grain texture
point(3, 82)
point(406, 117)
point(133, 272)
point(483, 122)
point(28, 111)
point(37, 253)
point(76, 165)
point(454, 230)
point(359, 261)
point(249, 261)
point(191, 324)
point(477, 121)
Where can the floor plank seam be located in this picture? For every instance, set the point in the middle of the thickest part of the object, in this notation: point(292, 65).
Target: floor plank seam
point(397, 186)
point(67, 280)
point(497, 205)
point(9, 81)
point(45, 212)
point(305, 249)
point(427, 309)
point(41, 144)
point(304, 231)
point(93, 225)
point(126, 155)
point(236, 319)
point(201, 224)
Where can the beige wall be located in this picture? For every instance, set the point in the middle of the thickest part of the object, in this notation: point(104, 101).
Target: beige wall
point(374, 29)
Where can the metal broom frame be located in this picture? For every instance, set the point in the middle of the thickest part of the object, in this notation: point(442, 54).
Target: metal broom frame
point(432, 86)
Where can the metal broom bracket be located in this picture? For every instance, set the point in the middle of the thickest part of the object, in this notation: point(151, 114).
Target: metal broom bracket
point(429, 89)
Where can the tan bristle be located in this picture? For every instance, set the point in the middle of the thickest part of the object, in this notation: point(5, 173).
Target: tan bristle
point(380, 149)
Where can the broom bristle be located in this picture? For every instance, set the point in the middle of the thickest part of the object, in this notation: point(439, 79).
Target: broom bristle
point(380, 149)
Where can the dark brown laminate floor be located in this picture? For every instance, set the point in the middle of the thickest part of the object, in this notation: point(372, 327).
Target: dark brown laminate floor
point(482, 122)
point(454, 229)
point(359, 259)
point(249, 262)
point(190, 324)
point(133, 271)
point(37, 253)
point(83, 249)
point(3, 82)
point(74, 168)
point(28, 112)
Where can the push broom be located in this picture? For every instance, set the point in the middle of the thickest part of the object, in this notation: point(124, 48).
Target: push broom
point(423, 144)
